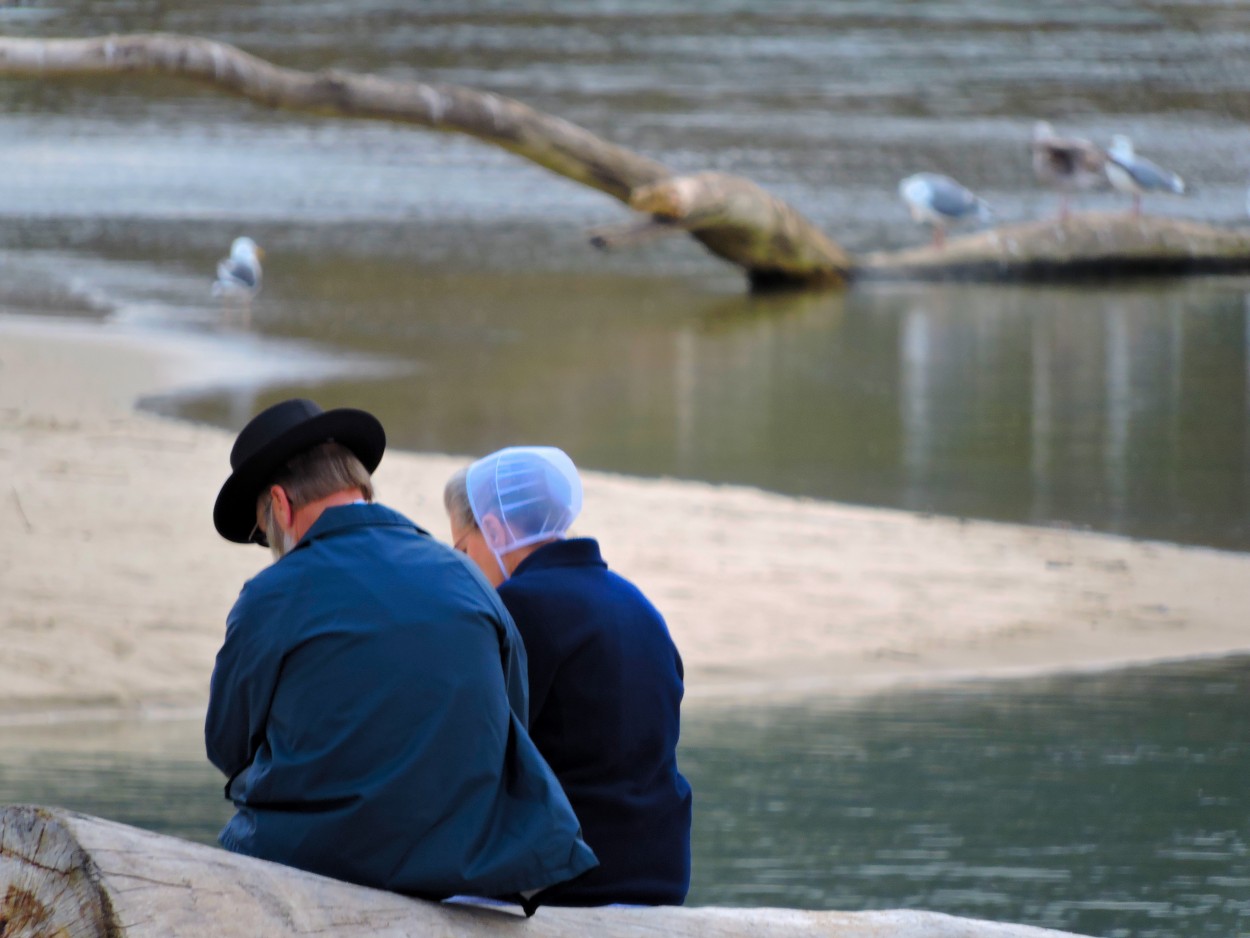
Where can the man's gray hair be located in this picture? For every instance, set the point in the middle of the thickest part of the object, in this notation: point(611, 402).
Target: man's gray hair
point(456, 501)
point(321, 471)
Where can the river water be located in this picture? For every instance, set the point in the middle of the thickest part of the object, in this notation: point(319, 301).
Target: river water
point(1111, 805)
point(464, 280)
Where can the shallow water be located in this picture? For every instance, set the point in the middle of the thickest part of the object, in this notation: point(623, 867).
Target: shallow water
point(1109, 805)
point(1119, 407)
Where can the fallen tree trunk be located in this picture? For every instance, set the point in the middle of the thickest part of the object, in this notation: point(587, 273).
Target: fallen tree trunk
point(1095, 245)
point(751, 229)
point(731, 216)
point(69, 874)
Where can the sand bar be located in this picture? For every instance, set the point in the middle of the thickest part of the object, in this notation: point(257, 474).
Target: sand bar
point(114, 586)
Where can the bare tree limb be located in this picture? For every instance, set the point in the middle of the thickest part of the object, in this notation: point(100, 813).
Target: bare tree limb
point(730, 232)
point(731, 216)
point(632, 233)
point(552, 143)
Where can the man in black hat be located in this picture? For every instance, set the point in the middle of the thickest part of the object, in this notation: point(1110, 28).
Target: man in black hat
point(369, 703)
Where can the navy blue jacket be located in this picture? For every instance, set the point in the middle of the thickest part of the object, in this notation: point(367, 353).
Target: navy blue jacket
point(605, 698)
point(368, 706)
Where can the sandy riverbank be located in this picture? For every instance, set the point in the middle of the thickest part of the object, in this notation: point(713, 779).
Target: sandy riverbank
point(114, 585)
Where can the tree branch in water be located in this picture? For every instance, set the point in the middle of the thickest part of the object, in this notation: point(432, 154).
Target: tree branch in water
point(735, 219)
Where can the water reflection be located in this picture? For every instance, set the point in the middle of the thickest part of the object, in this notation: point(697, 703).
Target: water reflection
point(1108, 805)
point(1100, 380)
point(1124, 410)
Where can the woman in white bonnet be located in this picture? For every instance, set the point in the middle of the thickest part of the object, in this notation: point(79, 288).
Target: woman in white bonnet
point(605, 679)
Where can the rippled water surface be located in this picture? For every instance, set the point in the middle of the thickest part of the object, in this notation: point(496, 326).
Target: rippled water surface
point(1122, 407)
point(1110, 805)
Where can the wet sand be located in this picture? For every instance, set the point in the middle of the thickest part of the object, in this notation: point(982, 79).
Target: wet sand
point(114, 586)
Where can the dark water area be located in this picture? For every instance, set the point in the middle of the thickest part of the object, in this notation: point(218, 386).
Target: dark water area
point(1122, 407)
point(1110, 805)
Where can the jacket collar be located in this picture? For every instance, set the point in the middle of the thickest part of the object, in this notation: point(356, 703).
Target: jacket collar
point(573, 552)
point(342, 518)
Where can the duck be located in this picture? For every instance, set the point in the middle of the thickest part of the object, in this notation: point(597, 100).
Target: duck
point(1128, 172)
point(239, 275)
point(939, 201)
point(1068, 164)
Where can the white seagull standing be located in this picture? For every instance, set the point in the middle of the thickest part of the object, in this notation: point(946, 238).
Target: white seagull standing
point(239, 275)
point(1068, 164)
point(938, 201)
point(1134, 174)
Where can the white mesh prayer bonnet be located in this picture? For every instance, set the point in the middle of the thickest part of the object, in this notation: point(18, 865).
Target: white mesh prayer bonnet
point(534, 491)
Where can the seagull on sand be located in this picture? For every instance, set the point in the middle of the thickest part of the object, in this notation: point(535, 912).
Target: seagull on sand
point(1069, 164)
point(938, 201)
point(1135, 174)
point(239, 275)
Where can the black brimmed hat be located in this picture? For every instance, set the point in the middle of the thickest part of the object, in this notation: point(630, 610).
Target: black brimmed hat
point(274, 436)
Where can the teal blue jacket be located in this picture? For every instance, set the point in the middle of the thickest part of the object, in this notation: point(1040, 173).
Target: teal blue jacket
point(369, 708)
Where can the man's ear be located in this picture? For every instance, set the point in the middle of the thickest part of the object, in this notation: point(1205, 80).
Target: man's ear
point(494, 532)
point(282, 512)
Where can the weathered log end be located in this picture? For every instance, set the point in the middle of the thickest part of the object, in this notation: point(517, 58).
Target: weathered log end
point(1087, 246)
point(740, 222)
point(49, 887)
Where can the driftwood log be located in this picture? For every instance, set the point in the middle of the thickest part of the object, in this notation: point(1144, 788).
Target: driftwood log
point(74, 876)
point(761, 234)
point(734, 218)
point(1095, 245)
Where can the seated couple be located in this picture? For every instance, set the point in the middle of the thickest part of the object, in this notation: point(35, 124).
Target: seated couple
point(385, 716)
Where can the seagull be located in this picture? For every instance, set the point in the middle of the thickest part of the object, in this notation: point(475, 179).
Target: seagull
point(1131, 173)
point(239, 275)
point(1068, 164)
point(940, 200)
